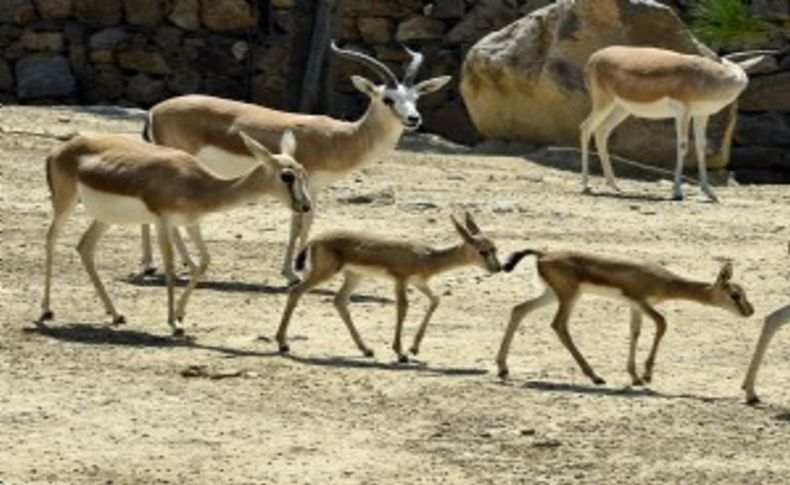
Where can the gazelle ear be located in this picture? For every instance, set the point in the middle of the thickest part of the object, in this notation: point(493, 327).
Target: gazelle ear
point(430, 85)
point(748, 65)
point(725, 273)
point(470, 224)
point(364, 85)
point(288, 144)
point(464, 232)
point(260, 152)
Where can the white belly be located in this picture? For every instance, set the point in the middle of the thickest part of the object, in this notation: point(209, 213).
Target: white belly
point(113, 208)
point(605, 291)
point(224, 163)
point(374, 271)
point(669, 108)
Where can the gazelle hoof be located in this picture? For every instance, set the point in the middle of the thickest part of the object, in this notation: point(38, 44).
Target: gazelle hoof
point(45, 316)
point(403, 359)
point(752, 400)
point(178, 332)
point(647, 378)
point(598, 381)
point(586, 190)
point(503, 373)
point(148, 271)
point(637, 382)
point(677, 196)
point(119, 320)
point(367, 352)
point(414, 350)
point(283, 349)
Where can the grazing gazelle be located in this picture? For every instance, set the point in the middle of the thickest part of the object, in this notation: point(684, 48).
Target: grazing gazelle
point(405, 263)
point(772, 323)
point(124, 181)
point(328, 148)
point(657, 84)
point(567, 275)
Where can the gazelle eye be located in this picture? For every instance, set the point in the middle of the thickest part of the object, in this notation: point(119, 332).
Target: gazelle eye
point(287, 177)
point(735, 296)
point(388, 101)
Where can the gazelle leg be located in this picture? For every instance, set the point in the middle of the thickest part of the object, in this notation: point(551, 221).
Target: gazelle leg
point(318, 273)
point(62, 214)
point(341, 304)
point(147, 263)
point(164, 234)
point(560, 326)
point(598, 114)
point(636, 327)
point(772, 323)
point(434, 303)
point(403, 306)
point(661, 328)
point(186, 259)
point(516, 316)
point(196, 237)
point(87, 249)
point(700, 140)
point(615, 117)
point(682, 133)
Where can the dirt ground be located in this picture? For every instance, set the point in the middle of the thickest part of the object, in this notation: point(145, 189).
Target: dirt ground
point(86, 402)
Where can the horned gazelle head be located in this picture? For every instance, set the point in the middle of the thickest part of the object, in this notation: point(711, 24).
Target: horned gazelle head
point(288, 175)
point(481, 249)
point(728, 295)
point(400, 96)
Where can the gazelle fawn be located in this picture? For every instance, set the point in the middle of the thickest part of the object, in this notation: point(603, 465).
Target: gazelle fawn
point(124, 181)
point(405, 263)
point(567, 275)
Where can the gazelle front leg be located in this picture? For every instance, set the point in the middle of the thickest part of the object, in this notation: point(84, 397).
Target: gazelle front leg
point(197, 237)
point(773, 322)
point(434, 303)
point(700, 140)
point(560, 326)
point(87, 249)
point(183, 252)
point(147, 262)
point(300, 230)
point(682, 133)
point(636, 327)
point(661, 328)
point(164, 233)
point(403, 306)
point(518, 314)
point(617, 116)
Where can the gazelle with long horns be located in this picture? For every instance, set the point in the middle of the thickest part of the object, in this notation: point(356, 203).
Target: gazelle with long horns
point(655, 83)
point(120, 180)
point(404, 263)
point(567, 275)
point(328, 148)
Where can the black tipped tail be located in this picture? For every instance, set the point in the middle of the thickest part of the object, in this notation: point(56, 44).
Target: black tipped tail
point(146, 134)
point(301, 259)
point(514, 258)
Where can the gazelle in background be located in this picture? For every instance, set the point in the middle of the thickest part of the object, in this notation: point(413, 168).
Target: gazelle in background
point(124, 181)
point(404, 263)
point(655, 83)
point(328, 148)
point(567, 275)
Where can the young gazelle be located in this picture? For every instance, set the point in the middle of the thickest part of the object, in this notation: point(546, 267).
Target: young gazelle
point(772, 323)
point(329, 149)
point(655, 83)
point(124, 181)
point(567, 275)
point(405, 263)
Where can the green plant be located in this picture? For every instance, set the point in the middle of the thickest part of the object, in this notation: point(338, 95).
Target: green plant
point(728, 24)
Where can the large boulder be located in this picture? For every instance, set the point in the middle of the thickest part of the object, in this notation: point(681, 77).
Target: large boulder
point(525, 82)
point(44, 76)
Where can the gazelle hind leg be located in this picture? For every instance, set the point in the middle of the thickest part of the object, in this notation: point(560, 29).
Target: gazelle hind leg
point(598, 114)
point(402, 308)
point(773, 323)
point(321, 269)
point(605, 128)
point(432, 306)
point(341, 304)
point(560, 326)
point(518, 314)
point(87, 250)
point(183, 252)
point(197, 237)
point(682, 132)
point(700, 141)
point(147, 262)
point(63, 211)
point(661, 328)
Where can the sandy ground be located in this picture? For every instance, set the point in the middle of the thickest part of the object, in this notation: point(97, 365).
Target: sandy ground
point(85, 402)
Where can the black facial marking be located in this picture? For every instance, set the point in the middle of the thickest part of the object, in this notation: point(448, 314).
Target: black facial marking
point(388, 101)
point(287, 177)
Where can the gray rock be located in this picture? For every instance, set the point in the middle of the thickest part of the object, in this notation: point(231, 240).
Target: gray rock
point(106, 85)
point(376, 30)
point(185, 14)
point(185, 81)
point(449, 9)
point(108, 38)
point(419, 27)
point(42, 41)
point(145, 90)
point(54, 9)
point(379, 8)
point(98, 13)
point(6, 76)
point(763, 129)
point(223, 15)
point(20, 12)
point(144, 61)
point(43, 76)
point(767, 93)
point(146, 13)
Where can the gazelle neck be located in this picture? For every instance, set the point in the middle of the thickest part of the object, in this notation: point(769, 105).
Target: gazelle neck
point(237, 191)
point(446, 259)
point(683, 289)
point(378, 130)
